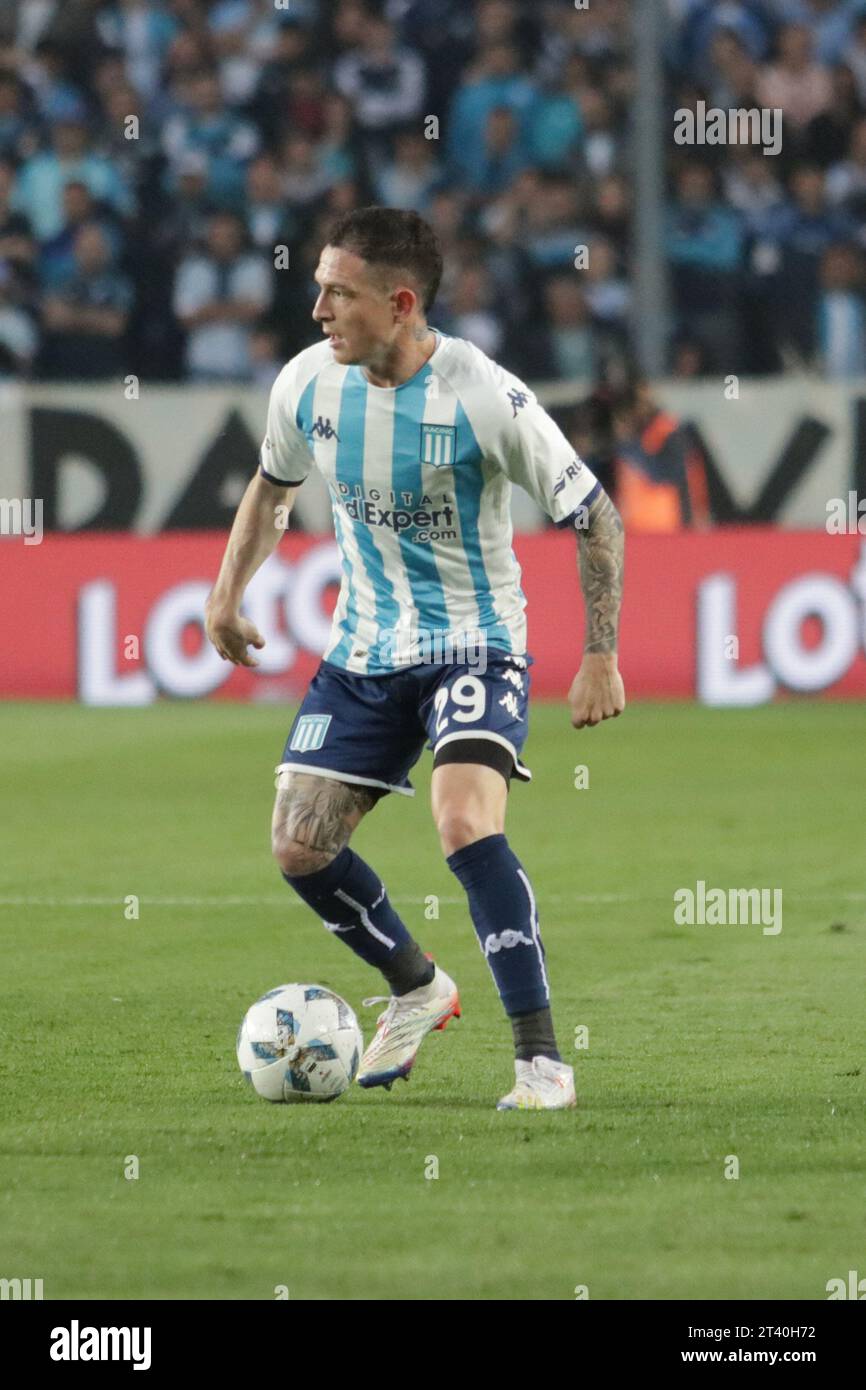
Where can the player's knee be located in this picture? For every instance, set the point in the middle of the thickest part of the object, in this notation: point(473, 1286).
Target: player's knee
point(297, 859)
point(459, 827)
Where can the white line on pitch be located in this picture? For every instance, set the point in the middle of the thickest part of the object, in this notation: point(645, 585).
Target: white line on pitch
point(290, 900)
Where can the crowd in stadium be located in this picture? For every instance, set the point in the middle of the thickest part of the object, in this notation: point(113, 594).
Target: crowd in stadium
point(155, 154)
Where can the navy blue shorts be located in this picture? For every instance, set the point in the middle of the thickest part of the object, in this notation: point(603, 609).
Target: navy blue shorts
point(372, 729)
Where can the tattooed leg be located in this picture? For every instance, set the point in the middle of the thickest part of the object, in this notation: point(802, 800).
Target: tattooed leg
point(313, 820)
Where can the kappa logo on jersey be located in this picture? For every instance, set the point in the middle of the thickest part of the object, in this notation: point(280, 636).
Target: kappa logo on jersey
point(573, 471)
point(438, 444)
point(518, 399)
point(505, 940)
point(324, 429)
point(509, 702)
point(310, 733)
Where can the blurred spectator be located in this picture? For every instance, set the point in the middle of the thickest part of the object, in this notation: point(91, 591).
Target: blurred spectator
point(841, 329)
point(800, 233)
point(734, 74)
point(501, 156)
point(228, 141)
point(689, 359)
point(567, 344)
point(130, 140)
point(183, 221)
point(705, 246)
point(825, 139)
point(304, 180)
point(84, 319)
point(846, 182)
point(557, 125)
point(265, 356)
point(660, 475)
point(57, 260)
point(494, 80)
point(39, 191)
point(470, 312)
point(795, 83)
point(19, 338)
point(554, 226)
point(601, 142)
point(17, 246)
point(606, 290)
point(189, 54)
point(611, 212)
point(142, 32)
point(752, 189)
point(339, 149)
point(409, 179)
point(303, 109)
point(830, 21)
point(46, 73)
point(19, 130)
point(855, 56)
point(290, 54)
point(268, 219)
point(747, 19)
point(384, 81)
point(219, 295)
point(244, 35)
point(285, 117)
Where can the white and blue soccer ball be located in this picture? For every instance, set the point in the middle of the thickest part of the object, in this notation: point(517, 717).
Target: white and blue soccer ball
point(300, 1042)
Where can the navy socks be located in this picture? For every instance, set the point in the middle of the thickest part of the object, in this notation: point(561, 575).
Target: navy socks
point(351, 901)
point(502, 907)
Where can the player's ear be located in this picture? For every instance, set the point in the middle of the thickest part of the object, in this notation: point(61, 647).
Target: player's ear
point(404, 300)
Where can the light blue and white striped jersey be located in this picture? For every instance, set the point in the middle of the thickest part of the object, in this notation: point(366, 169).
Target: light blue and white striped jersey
point(420, 480)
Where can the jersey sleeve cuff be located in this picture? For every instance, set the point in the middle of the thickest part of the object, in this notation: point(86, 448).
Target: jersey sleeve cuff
point(280, 482)
point(576, 517)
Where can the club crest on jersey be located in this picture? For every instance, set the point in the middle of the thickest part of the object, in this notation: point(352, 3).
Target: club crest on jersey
point(309, 733)
point(438, 444)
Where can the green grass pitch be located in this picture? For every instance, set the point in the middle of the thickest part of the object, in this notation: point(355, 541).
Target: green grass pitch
point(704, 1041)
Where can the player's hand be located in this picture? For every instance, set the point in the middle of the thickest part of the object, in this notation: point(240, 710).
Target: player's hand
point(597, 691)
point(231, 634)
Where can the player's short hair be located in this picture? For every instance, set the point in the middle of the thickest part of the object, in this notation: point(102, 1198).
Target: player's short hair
point(393, 239)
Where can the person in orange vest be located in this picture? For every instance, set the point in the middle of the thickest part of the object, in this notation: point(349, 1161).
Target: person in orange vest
point(660, 474)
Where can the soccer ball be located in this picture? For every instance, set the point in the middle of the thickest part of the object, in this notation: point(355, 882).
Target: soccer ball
point(299, 1042)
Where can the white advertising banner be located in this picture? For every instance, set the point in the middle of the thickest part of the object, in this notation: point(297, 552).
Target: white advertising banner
point(163, 458)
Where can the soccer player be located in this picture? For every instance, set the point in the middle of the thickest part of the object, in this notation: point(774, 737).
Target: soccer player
point(419, 436)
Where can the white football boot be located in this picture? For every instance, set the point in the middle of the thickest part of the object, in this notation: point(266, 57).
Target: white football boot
point(541, 1084)
point(403, 1027)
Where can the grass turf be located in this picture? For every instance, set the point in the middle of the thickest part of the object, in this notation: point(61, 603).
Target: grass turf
point(704, 1041)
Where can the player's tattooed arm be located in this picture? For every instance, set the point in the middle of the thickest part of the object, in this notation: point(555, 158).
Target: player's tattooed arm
point(314, 817)
point(597, 690)
point(601, 561)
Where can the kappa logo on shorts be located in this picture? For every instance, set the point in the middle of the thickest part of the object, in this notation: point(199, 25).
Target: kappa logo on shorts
point(438, 444)
point(310, 733)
